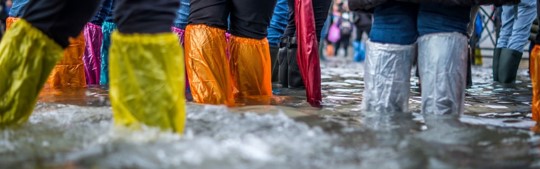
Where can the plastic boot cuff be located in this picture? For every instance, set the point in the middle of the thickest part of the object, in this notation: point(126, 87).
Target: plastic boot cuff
point(27, 56)
point(250, 69)
point(442, 61)
point(387, 77)
point(147, 81)
point(207, 65)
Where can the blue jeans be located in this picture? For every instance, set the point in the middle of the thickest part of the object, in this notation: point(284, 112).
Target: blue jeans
point(182, 14)
point(515, 31)
point(402, 23)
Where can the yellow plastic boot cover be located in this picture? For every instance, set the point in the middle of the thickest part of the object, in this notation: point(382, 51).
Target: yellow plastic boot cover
point(251, 70)
point(69, 72)
point(27, 56)
point(147, 80)
point(207, 65)
point(535, 80)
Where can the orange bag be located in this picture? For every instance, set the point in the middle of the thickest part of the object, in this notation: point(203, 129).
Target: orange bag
point(330, 50)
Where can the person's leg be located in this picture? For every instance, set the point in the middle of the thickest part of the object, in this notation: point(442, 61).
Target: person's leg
point(31, 48)
point(250, 55)
point(147, 68)
point(442, 58)
point(510, 56)
point(275, 32)
point(107, 28)
point(346, 43)
point(337, 46)
point(206, 61)
point(93, 36)
point(389, 55)
point(507, 18)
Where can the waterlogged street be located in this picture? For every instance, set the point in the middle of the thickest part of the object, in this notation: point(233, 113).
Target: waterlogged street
point(72, 128)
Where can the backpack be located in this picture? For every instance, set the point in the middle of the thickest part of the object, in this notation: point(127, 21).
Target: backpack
point(346, 26)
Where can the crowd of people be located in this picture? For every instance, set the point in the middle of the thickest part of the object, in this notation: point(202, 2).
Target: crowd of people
point(229, 52)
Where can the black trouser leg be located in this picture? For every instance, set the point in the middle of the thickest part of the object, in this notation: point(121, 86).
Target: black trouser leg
point(60, 19)
point(251, 18)
point(145, 16)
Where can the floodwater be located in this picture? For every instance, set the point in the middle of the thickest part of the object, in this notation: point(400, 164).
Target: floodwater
point(72, 128)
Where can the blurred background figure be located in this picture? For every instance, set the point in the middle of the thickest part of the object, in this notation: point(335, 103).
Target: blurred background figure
point(345, 26)
point(513, 37)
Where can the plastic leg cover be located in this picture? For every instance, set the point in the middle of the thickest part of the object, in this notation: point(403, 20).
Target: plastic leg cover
point(535, 80)
point(251, 69)
point(207, 65)
point(27, 56)
point(387, 77)
point(147, 81)
point(69, 72)
point(92, 53)
point(107, 29)
point(442, 60)
point(9, 21)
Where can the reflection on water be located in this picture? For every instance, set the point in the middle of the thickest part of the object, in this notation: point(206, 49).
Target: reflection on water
point(72, 128)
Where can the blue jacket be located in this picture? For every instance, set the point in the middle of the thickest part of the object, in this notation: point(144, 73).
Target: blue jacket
point(17, 8)
point(278, 23)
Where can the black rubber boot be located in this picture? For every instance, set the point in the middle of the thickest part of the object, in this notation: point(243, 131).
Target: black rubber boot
point(295, 78)
point(495, 66)
point(273, 60)
point(283, 63)
point(508, 65)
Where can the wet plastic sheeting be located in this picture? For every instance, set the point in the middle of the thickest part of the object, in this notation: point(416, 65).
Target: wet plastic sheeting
point(107, 29)
point(442, 61)
point(307, 54)
point(251, 69)
point(207, 65)
point(27, 56)
point(147, 81)
point(535, 80)
point(69, 72)
point(387, 77)
point(92, 55)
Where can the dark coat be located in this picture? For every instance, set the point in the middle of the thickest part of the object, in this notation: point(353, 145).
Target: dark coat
point(365, 5)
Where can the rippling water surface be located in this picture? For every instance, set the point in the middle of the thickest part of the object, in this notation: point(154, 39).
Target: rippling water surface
point(72, 128)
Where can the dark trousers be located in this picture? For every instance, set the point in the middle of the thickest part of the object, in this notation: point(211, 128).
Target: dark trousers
point(61, 19)
point(248, 18)
point(343, 42)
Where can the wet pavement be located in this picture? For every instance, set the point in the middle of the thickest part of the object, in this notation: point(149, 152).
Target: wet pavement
point(72, 128)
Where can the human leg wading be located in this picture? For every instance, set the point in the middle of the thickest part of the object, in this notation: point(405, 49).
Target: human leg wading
point(146, 67)
point(30, 50)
